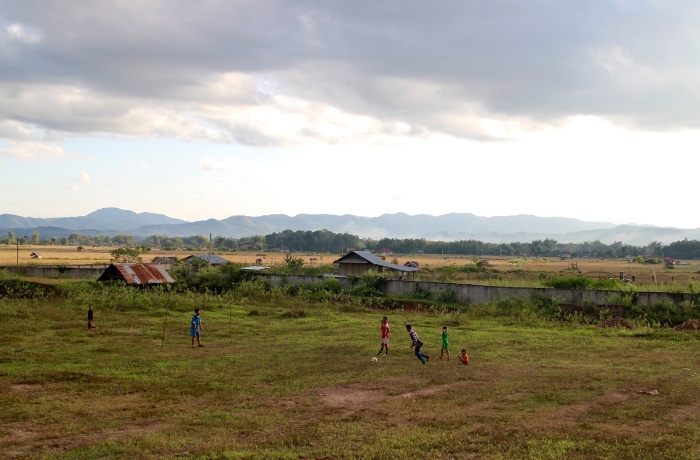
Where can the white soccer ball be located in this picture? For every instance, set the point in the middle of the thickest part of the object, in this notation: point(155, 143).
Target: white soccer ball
point(374, 359)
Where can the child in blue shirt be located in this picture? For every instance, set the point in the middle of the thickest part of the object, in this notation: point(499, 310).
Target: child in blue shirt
point(196, 327)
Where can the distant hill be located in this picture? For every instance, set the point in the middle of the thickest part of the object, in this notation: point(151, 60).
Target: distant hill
point(106, 219)
point(447, 227)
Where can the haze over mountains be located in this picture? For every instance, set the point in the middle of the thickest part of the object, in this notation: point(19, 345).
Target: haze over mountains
point(448, 227)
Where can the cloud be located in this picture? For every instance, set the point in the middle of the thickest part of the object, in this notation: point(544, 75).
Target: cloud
point(276, 73)
point(85, 177)
point(207, 164)
point(34, 151)
point(20, 33)
point(72, 187)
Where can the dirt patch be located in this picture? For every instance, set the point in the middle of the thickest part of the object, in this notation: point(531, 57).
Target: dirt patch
point(132, 331)
point(617, 322)
point(350, 400)
point(23, 437)
point(25, 388)
point(433, 390)
point(690, 325)
point(129, 430)
point(568, 416)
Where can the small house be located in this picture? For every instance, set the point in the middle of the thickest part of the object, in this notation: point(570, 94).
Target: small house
point(360, 262)
point(167, 262)
point(35, 255)
point(211, 259)
point(139, 274)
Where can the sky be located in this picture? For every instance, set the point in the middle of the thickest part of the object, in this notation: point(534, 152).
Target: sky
point(209, 109)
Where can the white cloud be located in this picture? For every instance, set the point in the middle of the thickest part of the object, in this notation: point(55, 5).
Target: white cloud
point(17, 32)
point(72, 187)
point(85, 177)
point(207, 164)
point(34, 151)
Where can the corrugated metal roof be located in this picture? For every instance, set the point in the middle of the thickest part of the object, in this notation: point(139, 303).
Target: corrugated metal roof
point(211, 258)
point(376, 260)
point(137, 274)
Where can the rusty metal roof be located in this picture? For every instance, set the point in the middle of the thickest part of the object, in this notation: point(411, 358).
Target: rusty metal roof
point(137, 274)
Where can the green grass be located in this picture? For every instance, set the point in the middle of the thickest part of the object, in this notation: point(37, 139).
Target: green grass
point(294, 380)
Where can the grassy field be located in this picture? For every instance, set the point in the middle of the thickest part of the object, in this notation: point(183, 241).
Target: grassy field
point(279, 378)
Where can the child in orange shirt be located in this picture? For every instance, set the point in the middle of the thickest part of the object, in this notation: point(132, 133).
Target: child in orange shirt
point(464, 357)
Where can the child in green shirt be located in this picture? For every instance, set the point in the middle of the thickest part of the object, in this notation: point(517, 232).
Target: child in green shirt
point(445, 344)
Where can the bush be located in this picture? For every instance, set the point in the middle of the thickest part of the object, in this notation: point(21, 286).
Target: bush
point(372, 285)
point(577, 282)
point(419, 293)
point(22, 289)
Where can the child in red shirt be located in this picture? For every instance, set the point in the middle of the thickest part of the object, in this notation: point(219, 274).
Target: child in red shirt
point(464, 357)
point(385, 336)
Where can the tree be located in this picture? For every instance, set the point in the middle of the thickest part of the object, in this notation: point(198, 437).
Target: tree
point(128, 255)
point(122, 240)
point(292, 262)
point(11, 237)
point(35, 238)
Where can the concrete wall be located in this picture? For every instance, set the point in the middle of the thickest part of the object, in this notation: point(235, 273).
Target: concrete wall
point(81, 271)
point(469, 294)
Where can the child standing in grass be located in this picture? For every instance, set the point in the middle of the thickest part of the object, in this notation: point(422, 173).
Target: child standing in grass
point(91, 318)
point(385, 336)
point(445, 344)
point(196, 327)
point(464, 357)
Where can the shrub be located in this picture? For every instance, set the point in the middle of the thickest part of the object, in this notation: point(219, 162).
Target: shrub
point(447, 296)
point(577, 282)
point(371, 285)
point(419, 293)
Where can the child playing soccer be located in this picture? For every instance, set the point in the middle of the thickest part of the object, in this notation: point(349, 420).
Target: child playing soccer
point(464, 357)
point(385, 336)
point(445, 344)
point(417, 344)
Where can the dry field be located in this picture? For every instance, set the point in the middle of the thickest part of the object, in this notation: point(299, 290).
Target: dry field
point(69, 255)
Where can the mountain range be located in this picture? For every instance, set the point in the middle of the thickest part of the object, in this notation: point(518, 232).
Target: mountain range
point(447, 227)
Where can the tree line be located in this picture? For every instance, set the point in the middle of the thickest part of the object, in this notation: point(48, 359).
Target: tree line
point(329, 242)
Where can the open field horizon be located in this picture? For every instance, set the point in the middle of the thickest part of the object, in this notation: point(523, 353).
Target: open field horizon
point(68, 255)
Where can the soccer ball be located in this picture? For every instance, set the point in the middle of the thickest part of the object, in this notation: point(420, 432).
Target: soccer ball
point(374, 359)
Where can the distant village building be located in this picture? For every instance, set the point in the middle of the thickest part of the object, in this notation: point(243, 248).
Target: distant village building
point(138, 274)
point(167, 262)
point(360, 262)
point(211, 259)
point(35, 255)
